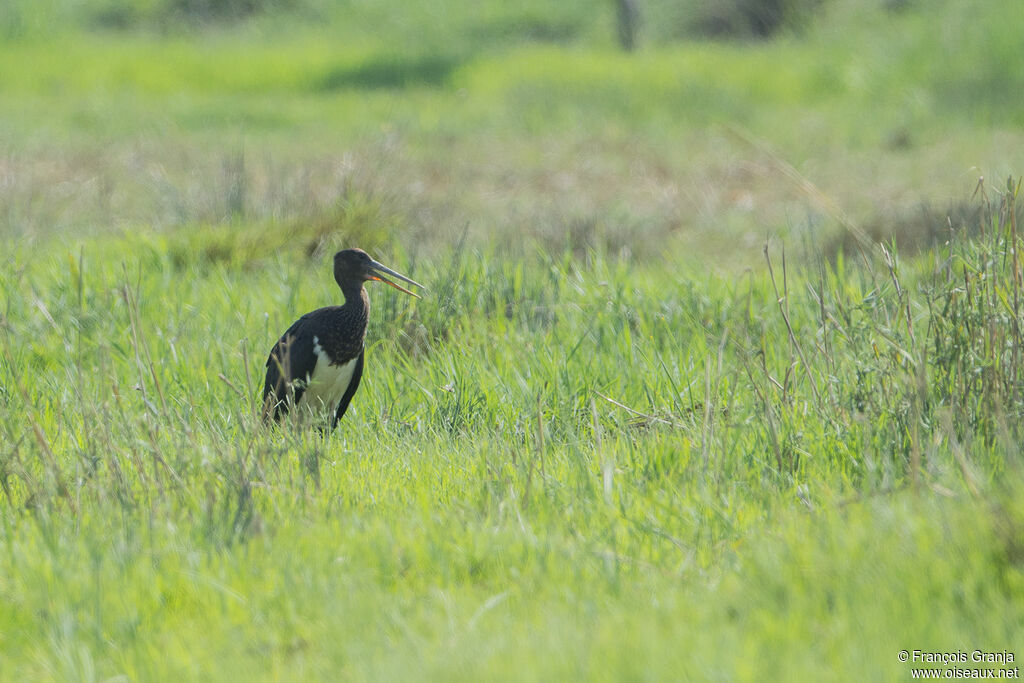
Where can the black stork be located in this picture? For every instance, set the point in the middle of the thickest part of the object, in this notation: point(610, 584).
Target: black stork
point(318, 362)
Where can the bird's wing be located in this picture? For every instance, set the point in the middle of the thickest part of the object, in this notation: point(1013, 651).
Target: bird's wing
point(292, 358)
point(353, 384)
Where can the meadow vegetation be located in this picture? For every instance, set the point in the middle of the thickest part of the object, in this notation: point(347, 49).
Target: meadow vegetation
point(719, 374)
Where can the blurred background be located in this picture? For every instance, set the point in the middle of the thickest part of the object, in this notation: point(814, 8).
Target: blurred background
point(642, 128)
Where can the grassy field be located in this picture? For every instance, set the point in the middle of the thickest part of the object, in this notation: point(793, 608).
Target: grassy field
point(719, 374)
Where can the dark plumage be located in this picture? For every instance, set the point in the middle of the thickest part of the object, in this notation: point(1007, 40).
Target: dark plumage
point(318, 362)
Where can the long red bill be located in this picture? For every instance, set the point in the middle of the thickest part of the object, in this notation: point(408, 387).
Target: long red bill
point(381, 270)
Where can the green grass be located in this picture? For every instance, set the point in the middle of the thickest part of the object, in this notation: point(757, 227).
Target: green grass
point(613, 440)
point(484, 510)
point(880, 110)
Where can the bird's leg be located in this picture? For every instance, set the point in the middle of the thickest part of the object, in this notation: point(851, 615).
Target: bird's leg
point(311, 463)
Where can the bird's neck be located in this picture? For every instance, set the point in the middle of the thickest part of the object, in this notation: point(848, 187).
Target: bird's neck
point(356, 299)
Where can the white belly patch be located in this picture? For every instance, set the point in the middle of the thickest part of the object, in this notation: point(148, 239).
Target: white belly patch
point(328, 383)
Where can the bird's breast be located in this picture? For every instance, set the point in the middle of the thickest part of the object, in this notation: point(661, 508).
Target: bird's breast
point(328, 382)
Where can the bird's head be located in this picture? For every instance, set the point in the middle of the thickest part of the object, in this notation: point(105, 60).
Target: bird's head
point(354, 266)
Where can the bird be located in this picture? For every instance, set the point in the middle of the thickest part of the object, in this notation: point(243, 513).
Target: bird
point(317, 363)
